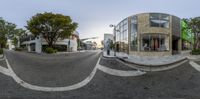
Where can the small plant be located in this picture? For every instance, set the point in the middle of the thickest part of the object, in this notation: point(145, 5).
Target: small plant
point(50, 50)
point(1, 51)
point(195, 52)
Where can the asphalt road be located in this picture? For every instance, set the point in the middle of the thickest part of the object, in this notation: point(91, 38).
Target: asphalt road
point(3, 63)
point(182, 82)
point(52, 70)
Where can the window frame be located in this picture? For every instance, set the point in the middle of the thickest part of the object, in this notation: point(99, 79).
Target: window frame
point(159, 18)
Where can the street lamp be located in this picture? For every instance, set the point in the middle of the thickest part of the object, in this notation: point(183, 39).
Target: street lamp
point(114, 26)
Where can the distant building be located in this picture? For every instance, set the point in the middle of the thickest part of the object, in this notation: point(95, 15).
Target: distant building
point(37, 44)
point(10, 44)
point(89, 45)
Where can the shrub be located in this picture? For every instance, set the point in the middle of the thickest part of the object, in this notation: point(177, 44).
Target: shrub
point(1, 51)
point(195, 52)
point(18, 49)
point(50, 50)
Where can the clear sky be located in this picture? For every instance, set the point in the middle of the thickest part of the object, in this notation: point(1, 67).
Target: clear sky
point(95, 16)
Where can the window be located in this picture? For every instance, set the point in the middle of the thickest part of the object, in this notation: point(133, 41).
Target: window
point(122, 35)
point(117, 34)
point(133, 44)
point(154, 42)
point(159, 20)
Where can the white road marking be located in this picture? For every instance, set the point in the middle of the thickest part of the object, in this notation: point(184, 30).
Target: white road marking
point(195, 65)
point(39, 88)
point(114, 72)
point(5, 71)
point(120, 72)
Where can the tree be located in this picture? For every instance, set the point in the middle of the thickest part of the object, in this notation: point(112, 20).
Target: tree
point(112, 44)
point(8, 31)
point(2, 33)
point(19, 32)
point(51, 26)
point(194, 25)
point(15, 41)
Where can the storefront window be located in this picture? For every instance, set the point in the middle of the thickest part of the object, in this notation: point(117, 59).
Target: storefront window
point(154, 42)
point(159, 20)
point(133, 44)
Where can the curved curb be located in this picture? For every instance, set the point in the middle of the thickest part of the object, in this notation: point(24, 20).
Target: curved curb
point(152, 65)
point(120, 72)
point(193, 59)
point(195, 65)
point(154, 68)
point(39, 88)
point(107, 56)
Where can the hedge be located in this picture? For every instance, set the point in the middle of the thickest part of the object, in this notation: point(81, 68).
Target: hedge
point(50, 50)
point(195, 52)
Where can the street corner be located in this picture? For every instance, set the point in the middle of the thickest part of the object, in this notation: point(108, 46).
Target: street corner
point(152, 63)
point(57, 75)
point(114, 64)
point(113, 67)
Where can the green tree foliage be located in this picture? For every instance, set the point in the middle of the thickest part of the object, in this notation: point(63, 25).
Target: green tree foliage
point(2, 33)
point(111, 44)
point(19, 32)
point(51, 26)
point(15, 41)
point(8, 30)
point(194, 25)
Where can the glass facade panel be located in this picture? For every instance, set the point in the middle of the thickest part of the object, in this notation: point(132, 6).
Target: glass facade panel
point(154, 42)
point(122, 36)
point(159, 20)
point(133, 43)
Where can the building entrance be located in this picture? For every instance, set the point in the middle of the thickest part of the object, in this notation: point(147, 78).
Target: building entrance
point(175, 45)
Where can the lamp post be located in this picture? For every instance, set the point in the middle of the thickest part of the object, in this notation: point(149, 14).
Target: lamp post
point(114, 26)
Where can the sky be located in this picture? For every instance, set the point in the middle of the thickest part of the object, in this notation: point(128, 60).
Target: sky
point(95, 16)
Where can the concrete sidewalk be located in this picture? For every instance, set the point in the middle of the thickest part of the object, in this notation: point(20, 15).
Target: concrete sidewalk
point(70, 52)
point(146, 60)
point(153, 61)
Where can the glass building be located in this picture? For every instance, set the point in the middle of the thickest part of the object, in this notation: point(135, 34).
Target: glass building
point(149, 34)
